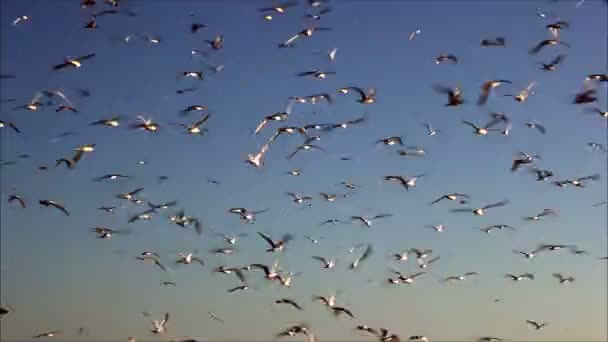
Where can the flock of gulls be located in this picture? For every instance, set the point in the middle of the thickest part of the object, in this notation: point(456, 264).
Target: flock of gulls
point(311, 136)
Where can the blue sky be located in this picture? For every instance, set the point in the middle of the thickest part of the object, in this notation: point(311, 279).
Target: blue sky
point(58, 276)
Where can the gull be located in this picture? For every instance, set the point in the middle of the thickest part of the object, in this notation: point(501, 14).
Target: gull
point(525, 159)
point(489, 339)
point(316, 74)
point(546, 42)
point(217, 42)
point(165, 205)
point(430, 131)
point(367, 221)
point(327, 263)
point(498, 41)
point(459, 277)
point(62, 108)
point(536, 325)
point(144, 216)
point(537, 126)
point(313, 99)
point(599, 204)
point(366, 329)
point(214, 317)
point(239, 288)
point(555, 27)
point(540, 215)
point(439, 228)
point(586, 96)
point(167, 283)
point(351, 122)
point(182, 220)
point(519, 277)
point(420, 254)
point(331, 221)
point(106, 233)
point(580, 182)
point(454, 95)
point(151, 256)
point(145, 124)
point(386, 336)
point(298, 329)
point(533, 253)
point(413, 34)
point(390, 141)
point(452, 197)
point(192, 108)
point(109, 210)
point(368, 97)
point(47, 334)
point(19, 199)
point(231, 239)
point(195, 127)
point(563, 279)
point(552, 66)
point(222, 251)
point(308, 32)
point(487, 87)
point(231, 270)
point(407, 182)
point(488, 229)
point(332, 54)
point(159, 327)
point(194, 74)
point(288, 301)
point(481, 130)
point(601, 113)
point(597, 77)
point(187, 259)
point(247, 215)
point(446, 58)
point(257, 159)
point(111, 122)
point(405, 279)
point(111, 176)
point(51, 203)
point(196, 27)
point(320, 14)
point(349, 185)
point(338, 310)
point(279, 8)
point(5, 311)
point(366, 254)
point(523, 95)
point(418, 338)
point(329, 197)
point(270, 273)
point(20, 19)
point(305, 147)
point(412, 151)
point(422, 264)
point(403, 256)
point(9, 124)
point(277, 245)
point(71, 62)
point(481, 211)
point(280, 116)
point(130, 196)
point(299, 199)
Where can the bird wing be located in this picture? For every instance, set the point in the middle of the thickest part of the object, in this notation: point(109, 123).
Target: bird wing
point(538, 47)
point(59, 206)
point(497, 204)
point(267, 239)
point(321, 259)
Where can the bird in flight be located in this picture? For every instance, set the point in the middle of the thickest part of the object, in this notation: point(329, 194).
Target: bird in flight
point(552, 65)
point(51, 203)
point(278, 245)
point(487, 87)
point(454, 95)
point(498, 41)
point(73, 62)
point(519, 277)
point(366, 220)
point(369, 250)
point(546, 42)
point(452, 197)
point(160, 326)
point(481, 211)
point(307, 32)
point(365, 97)
point(536, 325)
point(406, 182)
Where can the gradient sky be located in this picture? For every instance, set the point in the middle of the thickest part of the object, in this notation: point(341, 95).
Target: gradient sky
point(58, 276)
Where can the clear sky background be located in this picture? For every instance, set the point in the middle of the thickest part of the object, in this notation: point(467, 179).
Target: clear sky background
point(58, 276)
